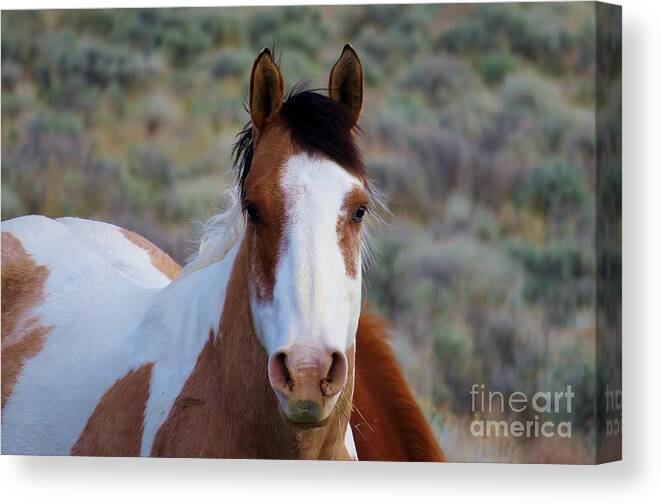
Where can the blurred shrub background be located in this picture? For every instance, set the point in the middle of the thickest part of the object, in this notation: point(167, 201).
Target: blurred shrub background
point(479, 127)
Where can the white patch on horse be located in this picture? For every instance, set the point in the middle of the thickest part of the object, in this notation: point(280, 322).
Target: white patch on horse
point(349, 443)
point(183, 336)
point(118, 252)
point(314, 300)
point(93, 311)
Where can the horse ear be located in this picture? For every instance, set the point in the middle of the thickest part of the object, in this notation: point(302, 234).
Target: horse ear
point(267, 90)
point(345, 84)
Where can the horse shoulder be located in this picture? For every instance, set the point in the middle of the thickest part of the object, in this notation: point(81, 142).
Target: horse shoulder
point(386, 420)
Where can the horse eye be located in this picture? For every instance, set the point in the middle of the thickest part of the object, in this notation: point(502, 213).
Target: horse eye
point(360, 213)
point(253, 214)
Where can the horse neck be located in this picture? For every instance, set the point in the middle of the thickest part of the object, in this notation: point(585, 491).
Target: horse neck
point(227, 407)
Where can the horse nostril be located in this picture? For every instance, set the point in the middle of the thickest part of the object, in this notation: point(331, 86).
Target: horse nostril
point(336, 375)
point(279, 374)
point(331, 371)
point(282, 363)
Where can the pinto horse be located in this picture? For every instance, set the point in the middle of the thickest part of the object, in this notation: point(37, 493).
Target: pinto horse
point(259, 348)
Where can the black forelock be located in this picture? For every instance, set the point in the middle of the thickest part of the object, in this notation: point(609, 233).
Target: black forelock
point(318, 126)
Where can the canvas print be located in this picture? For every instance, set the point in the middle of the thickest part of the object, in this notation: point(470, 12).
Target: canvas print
point(367, 232)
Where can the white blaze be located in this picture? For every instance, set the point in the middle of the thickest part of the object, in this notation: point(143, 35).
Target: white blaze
point(314, 301)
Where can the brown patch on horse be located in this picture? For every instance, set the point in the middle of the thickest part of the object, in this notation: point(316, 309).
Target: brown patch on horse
point(116, 425)
point(264, 192)
point(23, 335)
point(161, 261)
point(386, 420)
point(227, 408)
point(348, 232)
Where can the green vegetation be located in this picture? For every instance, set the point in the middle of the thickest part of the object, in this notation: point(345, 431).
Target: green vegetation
point(478, 126)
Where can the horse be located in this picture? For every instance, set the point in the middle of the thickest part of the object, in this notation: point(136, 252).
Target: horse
point(259, 347)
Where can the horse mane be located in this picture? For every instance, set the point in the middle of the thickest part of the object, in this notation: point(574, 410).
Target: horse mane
point(387, 422)
point(219, 234)
point(319, 126)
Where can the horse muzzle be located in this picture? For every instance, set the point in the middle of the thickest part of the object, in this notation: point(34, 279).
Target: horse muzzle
point(307, 382)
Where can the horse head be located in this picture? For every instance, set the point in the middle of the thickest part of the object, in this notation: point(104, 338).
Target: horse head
point(304, 194)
